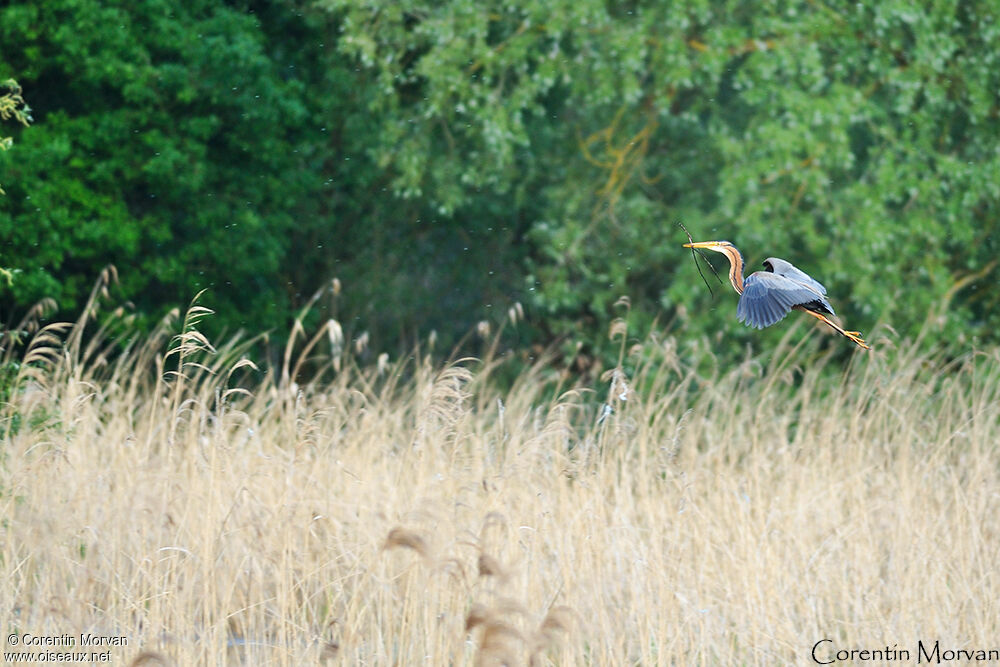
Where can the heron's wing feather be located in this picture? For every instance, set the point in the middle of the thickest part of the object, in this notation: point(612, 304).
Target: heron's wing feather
point(790, 271)
point(767, 298)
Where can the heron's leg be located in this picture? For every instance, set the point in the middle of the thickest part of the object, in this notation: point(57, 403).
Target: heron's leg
point(852, 335)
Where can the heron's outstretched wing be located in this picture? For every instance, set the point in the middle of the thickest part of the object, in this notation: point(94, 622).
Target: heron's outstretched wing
point(788, 270)
point(767, 298)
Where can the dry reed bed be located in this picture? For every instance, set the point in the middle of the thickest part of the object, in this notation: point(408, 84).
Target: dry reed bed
point(413, 514)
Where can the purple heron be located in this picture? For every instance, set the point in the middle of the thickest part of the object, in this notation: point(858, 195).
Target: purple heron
point(767, 296)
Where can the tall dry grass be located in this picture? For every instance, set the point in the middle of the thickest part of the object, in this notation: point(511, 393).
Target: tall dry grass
point(406, 513)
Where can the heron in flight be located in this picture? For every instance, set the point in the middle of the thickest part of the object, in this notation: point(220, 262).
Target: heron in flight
point(767, 296)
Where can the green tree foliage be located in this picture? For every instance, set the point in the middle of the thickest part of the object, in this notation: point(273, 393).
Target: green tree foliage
point(858, 141)
point(444, 159)
point(206, 145)
point(12, 106)
point(167, 143)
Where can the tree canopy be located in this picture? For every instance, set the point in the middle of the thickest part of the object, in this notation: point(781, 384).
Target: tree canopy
point(445, 160)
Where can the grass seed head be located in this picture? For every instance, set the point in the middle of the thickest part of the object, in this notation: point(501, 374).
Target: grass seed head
point(408, 539)
point(490, 567)
point(151, 659)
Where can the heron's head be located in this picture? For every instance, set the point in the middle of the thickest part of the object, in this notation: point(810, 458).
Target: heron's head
point(732, 254)
point(717, 246)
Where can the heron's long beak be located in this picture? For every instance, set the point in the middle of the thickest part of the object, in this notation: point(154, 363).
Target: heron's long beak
point(702, 244)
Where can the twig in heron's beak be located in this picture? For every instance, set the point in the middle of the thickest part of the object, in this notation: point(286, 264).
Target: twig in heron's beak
point(696, 265)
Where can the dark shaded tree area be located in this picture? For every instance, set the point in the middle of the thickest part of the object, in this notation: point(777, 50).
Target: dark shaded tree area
point(445, 160)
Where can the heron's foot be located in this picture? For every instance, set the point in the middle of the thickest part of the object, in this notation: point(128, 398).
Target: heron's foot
point(856, 337)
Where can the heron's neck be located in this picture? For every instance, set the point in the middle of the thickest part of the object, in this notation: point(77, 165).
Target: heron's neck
point(735, 269)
